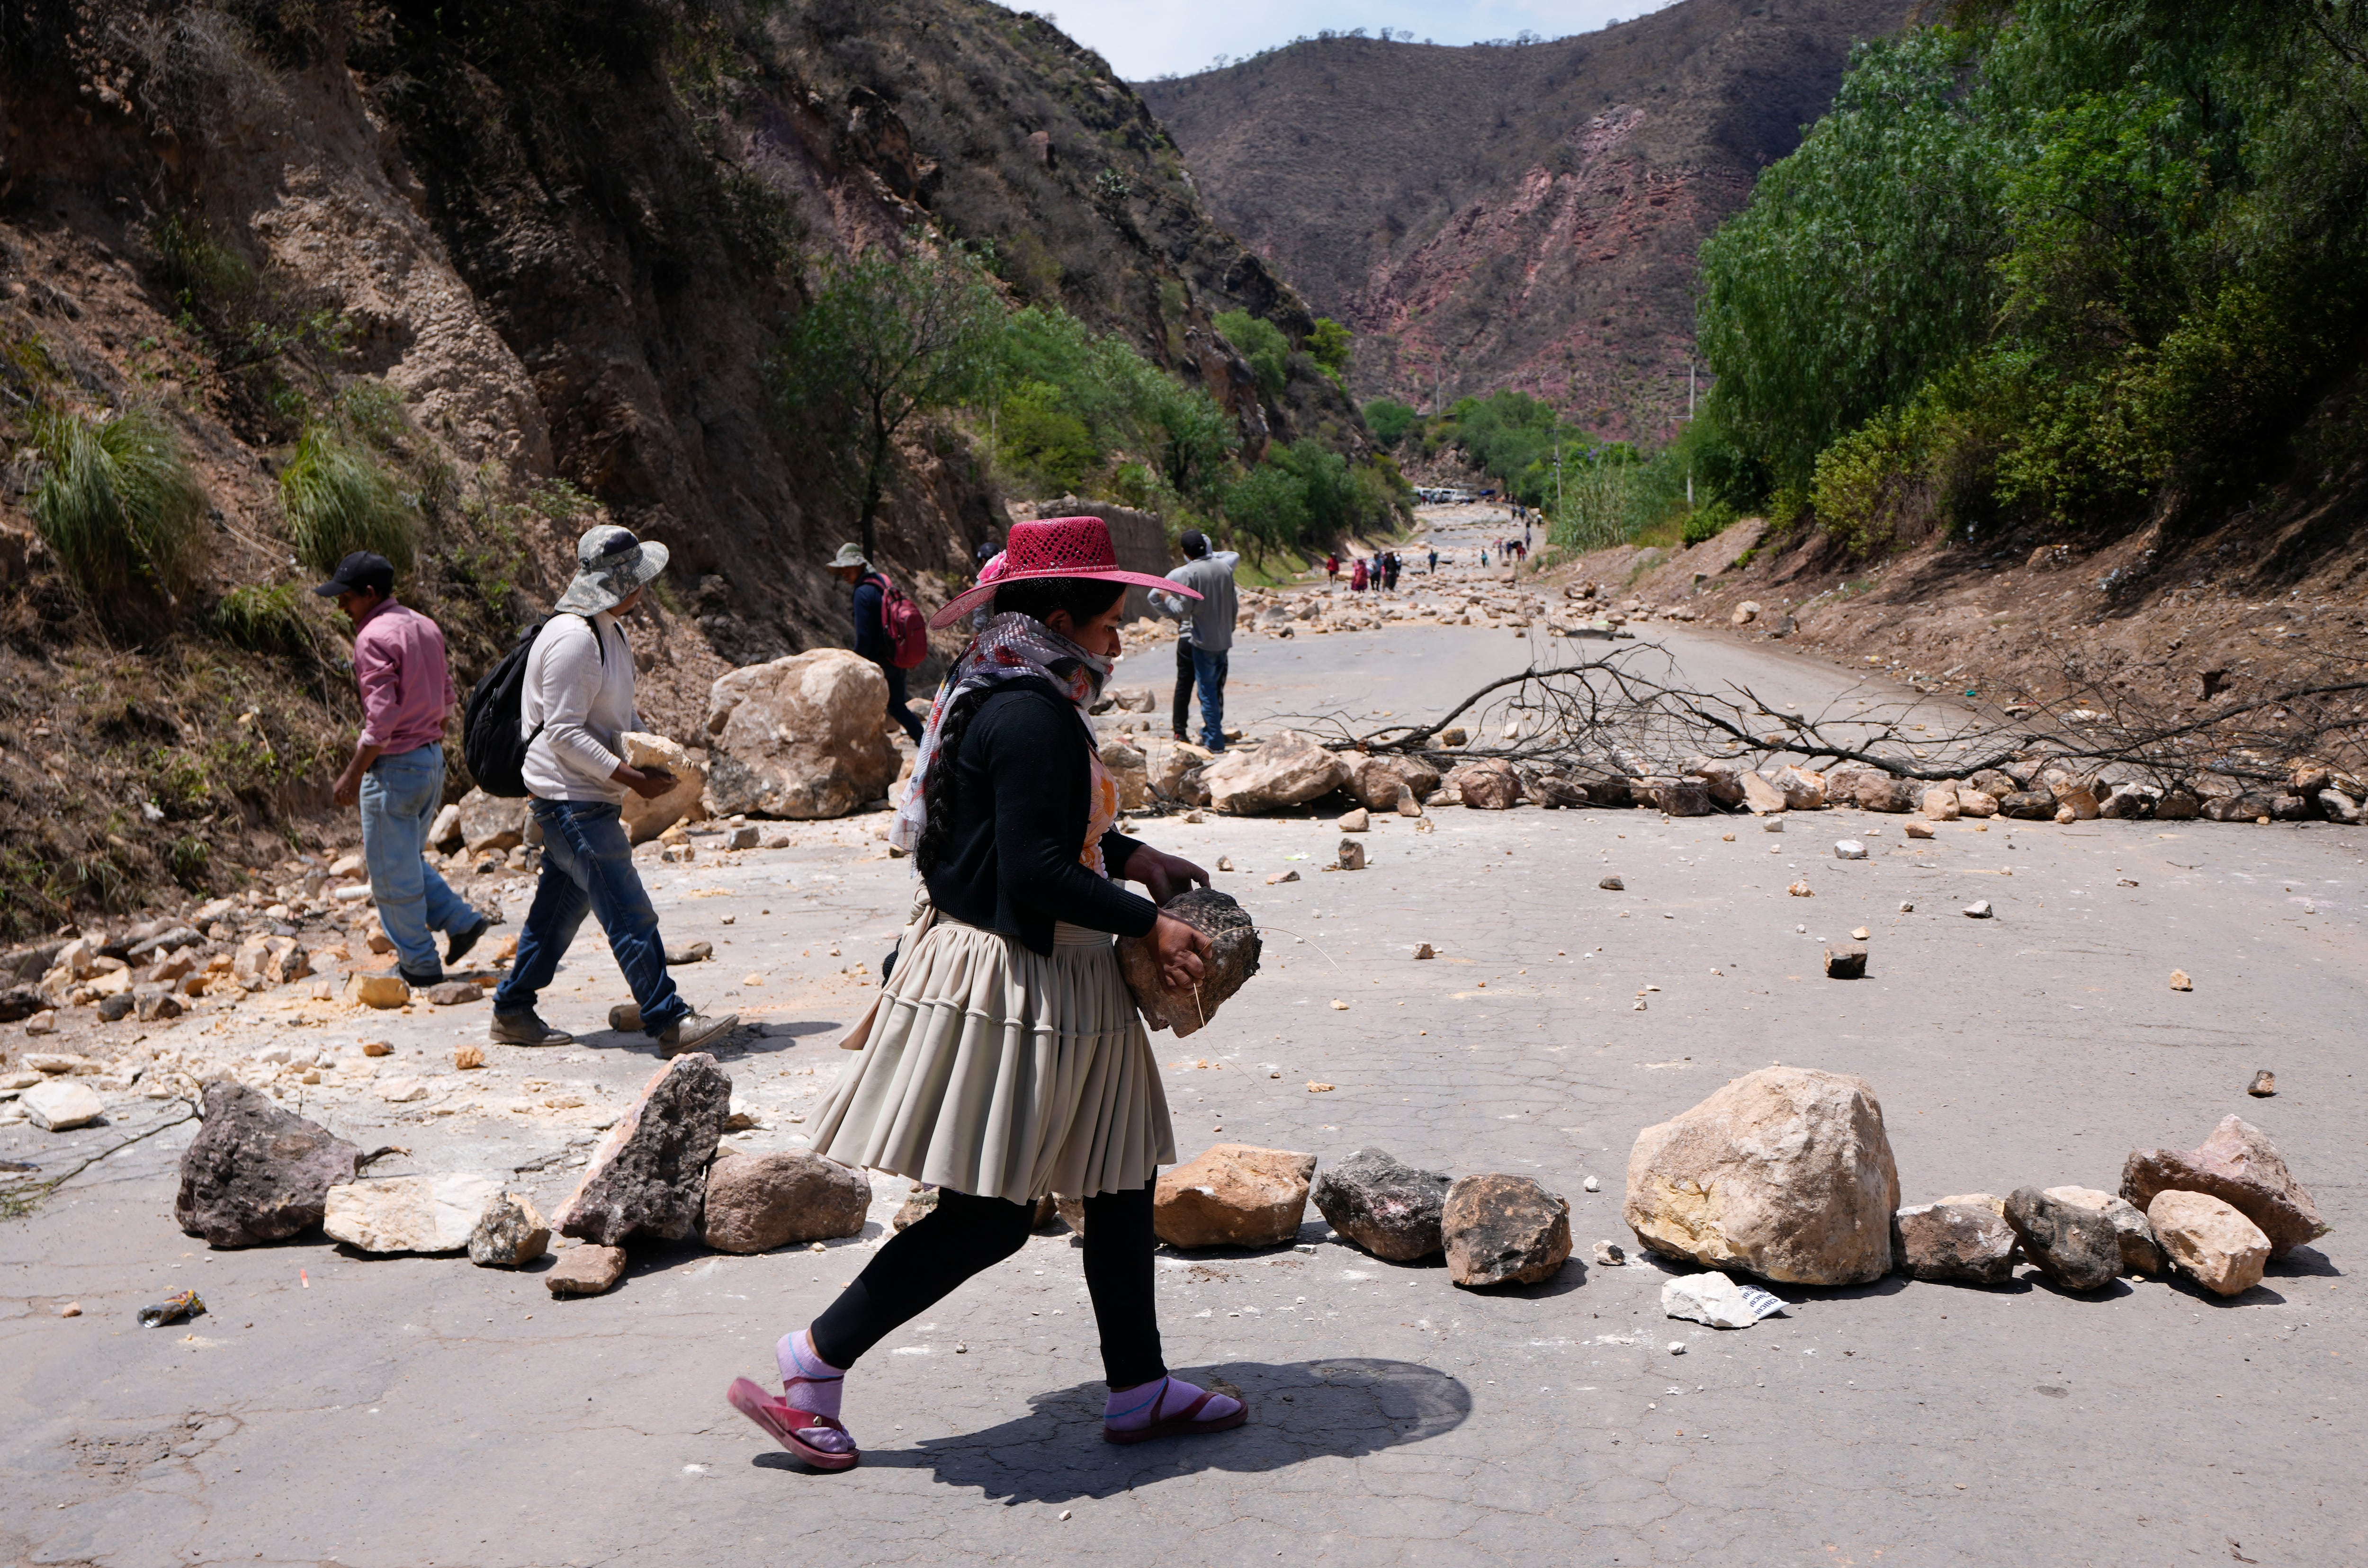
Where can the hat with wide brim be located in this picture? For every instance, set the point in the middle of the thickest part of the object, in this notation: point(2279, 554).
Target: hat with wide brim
point(1056, 547)
point(612, 564)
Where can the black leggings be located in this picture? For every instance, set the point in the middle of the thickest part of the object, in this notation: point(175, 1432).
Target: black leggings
point(1184, 676)
point(921, 1265)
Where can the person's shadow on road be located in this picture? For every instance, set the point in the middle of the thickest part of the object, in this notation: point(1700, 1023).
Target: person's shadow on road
point(1346, 1406)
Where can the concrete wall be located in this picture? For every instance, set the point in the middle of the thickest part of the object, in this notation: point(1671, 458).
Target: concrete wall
point(1139, 539)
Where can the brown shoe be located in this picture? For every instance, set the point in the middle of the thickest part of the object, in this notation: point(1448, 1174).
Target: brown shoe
point(694, 1031)
point(526, 1029)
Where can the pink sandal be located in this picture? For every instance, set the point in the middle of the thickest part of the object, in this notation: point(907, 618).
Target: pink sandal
point(1185, 1423)
point(783, 1420)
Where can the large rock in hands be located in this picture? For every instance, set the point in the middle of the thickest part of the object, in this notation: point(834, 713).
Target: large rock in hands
point(648, 1176)
point(255, 1172)
point(1785, 1173)
point(1231, 959)
point(1390, 1208)
point(800, 737)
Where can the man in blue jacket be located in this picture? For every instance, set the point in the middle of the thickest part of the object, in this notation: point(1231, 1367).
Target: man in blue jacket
point(1202, 648)
point(872, 638)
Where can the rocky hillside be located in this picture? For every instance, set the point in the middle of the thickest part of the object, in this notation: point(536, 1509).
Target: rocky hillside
point(524, 265)
point(1520, 216)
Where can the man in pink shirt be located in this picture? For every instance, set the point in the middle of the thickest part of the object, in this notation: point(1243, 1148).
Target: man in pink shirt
point(397, 773)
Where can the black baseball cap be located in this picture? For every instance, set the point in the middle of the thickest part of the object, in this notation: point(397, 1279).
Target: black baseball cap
point(1195, 543)
point(363, 569)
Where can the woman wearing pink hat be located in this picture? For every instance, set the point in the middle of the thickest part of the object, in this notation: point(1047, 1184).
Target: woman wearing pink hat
point(1006, 1059)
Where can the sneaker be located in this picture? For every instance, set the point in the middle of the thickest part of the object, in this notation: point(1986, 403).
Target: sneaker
point(693, 1030)
point(526, 1029)
point(457, 943)
point(625, 1018)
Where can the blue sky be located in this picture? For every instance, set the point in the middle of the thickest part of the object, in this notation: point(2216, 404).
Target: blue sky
point(1145, 37)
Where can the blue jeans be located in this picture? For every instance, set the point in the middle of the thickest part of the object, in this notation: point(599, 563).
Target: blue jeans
point(400, 798)
point(587, 869)
point(1209, 669)
point(898, 696)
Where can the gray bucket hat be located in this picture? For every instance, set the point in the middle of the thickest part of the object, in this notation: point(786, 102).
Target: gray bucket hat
point(610, 562)
point(850, 555)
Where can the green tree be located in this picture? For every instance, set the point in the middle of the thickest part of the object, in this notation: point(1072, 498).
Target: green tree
point(1389, 420)
point(886, 337)
point(1269, 504)
point(1330, 345)
point(1262, 344)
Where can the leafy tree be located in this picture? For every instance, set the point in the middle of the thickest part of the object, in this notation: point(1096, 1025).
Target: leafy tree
point(1269, 505)
point(1262, 344)
point(886, 337)
point(1389, 420)
point(1039, 436)
point(1329, 346)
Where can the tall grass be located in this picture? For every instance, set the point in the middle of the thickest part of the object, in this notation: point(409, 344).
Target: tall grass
point(119, 504)
point(264, 619)
point(339, 498)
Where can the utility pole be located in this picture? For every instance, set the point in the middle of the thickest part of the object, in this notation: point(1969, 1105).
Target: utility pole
point(1689, 419)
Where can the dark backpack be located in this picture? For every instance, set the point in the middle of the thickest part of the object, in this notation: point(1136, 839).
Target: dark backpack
point(901, 619)
point(490, 741)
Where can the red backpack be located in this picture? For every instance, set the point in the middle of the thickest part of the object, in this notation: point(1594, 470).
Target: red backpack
point(907, 627)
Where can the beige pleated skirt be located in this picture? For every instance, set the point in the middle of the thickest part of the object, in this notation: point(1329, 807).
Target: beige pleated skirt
point(995, 1072)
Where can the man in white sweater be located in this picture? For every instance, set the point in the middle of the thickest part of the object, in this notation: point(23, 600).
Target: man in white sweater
point(578, 703)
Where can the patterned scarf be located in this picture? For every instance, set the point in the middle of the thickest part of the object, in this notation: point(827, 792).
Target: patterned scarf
point(1010, 648)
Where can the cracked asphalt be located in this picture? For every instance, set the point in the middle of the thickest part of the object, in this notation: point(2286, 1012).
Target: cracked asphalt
point(405, 1412)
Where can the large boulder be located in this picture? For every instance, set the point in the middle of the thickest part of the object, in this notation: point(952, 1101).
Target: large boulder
point(645, 819)
point(2140, 1252)
point(648, 1176)
point(1374, 781)
point(757, 1202)
point(493, 822)
point(1390, 1208)
point(2209, 1241)
point(255, 1172)
point(1287, 770)
point(1490, 784)
point(1233, 958)
point(2074, 1246)
point(1504, 1229)
point(1804, 789)
point(1879, 791)
point(61, 1105)
point(1130, 771)
point(1235, 1194)
point(800, 737)
point(1722, 777)
point(1952, 1241)
point(1785, 1173)
point(409, 1214)
point(2240, 1167)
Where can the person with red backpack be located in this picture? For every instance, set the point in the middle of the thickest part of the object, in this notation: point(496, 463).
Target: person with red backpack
point(890, 630)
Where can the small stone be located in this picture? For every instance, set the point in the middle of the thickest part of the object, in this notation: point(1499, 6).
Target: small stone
point(689, 952)
point(2265, 1084)
point(1276, 878)
point(2073, 1247)
point(1386, 1207)
point(1677, 1347)
point(1592, 1185)
point(71, 1310)
point(1918, 830)
point(1953, 1240)
point(1338, 1005)
point(1849, 849)
point(1224, 862)
point(1613, 884)
point(412, 1213)
point(2178, 981)
point(456, 993)
point(1351, 855)
point(1314, 1088)
point(381, 990)
point(1611, 1255)
point(740, 838)
point(918, 1202)
point(757, 1202)
point(1504, 1229)
point(1846, 963)
point(377, 1048)
point(1424, 950)
point(1234, 1195)
point(43, 1022)
point(1978, 909)
point(511, 1233)
point(468, 1057)
point(401, 1091)
point(2209, 1241)
point(60, 1105)
point(1357, 821)
point(1859, 935)
point(585, 1270)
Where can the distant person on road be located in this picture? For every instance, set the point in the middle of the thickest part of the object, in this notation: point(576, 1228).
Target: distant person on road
point(1004, 1062)
point(1434, 561)
point(397, 772)
point(1332, 568)
point(1357, 577)
point(1204, 643)
point(1390, 570)
point(873, 638)
point(576, 705)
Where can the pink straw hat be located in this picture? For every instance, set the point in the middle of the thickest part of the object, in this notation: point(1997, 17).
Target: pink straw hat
point(1056, 547)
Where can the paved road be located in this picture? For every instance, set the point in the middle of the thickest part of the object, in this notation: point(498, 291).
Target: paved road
point(407, 1412)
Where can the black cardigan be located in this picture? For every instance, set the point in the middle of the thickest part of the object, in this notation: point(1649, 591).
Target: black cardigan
point(1010, 863)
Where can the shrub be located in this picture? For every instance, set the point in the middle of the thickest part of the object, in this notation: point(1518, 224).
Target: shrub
point(119, 504)
point(1040, 438)
point(339, 498)
point(1262, 344)
point(1329, 346)
point(263, 619)
point(1388, 420)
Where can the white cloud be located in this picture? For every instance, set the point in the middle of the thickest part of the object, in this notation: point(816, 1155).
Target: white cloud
point(1143, 39)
